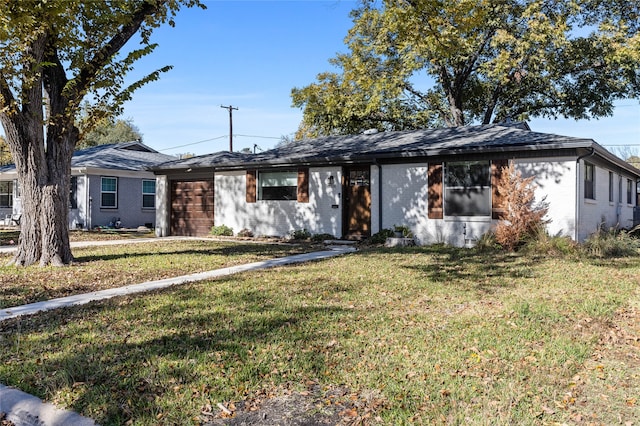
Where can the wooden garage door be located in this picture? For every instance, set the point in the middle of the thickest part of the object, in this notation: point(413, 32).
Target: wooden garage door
point(191, 207)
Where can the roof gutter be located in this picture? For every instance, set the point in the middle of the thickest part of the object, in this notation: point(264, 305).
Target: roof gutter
point(577, 209)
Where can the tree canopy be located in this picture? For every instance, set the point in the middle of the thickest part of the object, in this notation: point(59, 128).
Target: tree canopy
point(53, 55)
point(432, 63)
point(105, 130)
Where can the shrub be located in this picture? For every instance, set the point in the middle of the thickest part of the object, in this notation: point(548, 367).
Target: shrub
point(245, 233)
point(381, 237)
point(543, 243)
point(521, 219)
point(318, 238)
point(300, 234)
point(222, 230)
point(611, 243)
point(406, 232)
point(487, 243)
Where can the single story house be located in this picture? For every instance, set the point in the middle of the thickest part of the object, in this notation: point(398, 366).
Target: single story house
point(110, 185)
point(441, 183)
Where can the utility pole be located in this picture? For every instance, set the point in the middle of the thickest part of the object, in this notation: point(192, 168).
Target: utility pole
point(230, 108)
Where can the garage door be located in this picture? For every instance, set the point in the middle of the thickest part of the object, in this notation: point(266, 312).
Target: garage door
point(191, 207)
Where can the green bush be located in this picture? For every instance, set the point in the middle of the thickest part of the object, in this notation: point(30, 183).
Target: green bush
point(300, 234)
point(487, 243)
point(543, 243)
point(222, 230)
point(611, 243)
point(381, 237)
point(318, 238)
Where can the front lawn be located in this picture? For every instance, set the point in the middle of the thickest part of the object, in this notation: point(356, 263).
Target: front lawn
point(101, 267)
point(429, 335)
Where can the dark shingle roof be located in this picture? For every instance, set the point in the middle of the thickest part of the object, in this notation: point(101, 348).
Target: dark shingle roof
point(132, 156)
point(389, 145)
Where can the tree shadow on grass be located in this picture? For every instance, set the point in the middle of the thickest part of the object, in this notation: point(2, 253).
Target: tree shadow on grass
point(468, 269)
point(150, 351)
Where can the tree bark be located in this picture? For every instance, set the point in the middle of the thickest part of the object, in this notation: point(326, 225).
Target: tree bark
point(44, 164)
point(43, 171)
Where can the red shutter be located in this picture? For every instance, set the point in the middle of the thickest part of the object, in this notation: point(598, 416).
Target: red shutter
point(435, 191)
point(251, 186)
point(497, 167)
point(303, 185)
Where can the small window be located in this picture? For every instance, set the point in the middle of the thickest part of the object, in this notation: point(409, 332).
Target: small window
point(278, 185)
point(589, 181)
point(109, 192)
point(467, 190)
point(620, 190)
point(629, 191)
point(611, 187)
point(6, 194)
point(148, 194)
point(73, 193)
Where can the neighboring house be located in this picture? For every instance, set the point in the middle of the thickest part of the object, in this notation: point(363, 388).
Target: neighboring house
point(441, 183)
point(109, 183)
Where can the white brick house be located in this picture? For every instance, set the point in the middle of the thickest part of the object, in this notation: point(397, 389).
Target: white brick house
point(440, 183)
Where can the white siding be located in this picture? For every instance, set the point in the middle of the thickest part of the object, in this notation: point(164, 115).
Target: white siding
point(79, 216)
point(405, 202)
point(322, 214)
point(602, 213)
point(163, 206)
point(375, 195)
point(405, 198)
point(555, 181)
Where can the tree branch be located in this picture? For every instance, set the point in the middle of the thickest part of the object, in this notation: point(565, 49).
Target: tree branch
point(7, 101)
point(103, 56)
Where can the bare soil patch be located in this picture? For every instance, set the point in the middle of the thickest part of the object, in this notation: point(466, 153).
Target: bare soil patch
point(315, 406)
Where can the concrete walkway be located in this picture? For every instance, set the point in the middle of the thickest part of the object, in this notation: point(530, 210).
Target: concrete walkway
point(26, 410)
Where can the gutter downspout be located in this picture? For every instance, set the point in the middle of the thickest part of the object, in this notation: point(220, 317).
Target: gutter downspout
point(375, 162)
point(577, 212)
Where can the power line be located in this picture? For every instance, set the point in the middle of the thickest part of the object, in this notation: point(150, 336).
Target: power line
point(259, 137)
point(194, 143)
point(219, 137)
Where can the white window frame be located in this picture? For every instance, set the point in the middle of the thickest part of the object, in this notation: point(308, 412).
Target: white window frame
point(8, 194)
point(103, 192)
point(147, 195)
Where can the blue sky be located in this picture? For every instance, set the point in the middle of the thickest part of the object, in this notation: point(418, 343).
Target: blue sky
point(250, 54)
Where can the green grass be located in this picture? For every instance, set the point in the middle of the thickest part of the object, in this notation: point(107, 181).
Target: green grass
point(101, 267)
point(430, 335)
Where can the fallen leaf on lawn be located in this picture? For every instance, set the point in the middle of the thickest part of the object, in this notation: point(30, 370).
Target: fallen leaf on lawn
point(349, 412)
point(548, 410)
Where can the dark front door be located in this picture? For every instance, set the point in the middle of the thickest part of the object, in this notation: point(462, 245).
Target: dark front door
point(357, 202)
point(191, 207)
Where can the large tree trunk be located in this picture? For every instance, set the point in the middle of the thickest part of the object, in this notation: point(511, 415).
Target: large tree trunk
point(43, 171)
point(44, 178)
